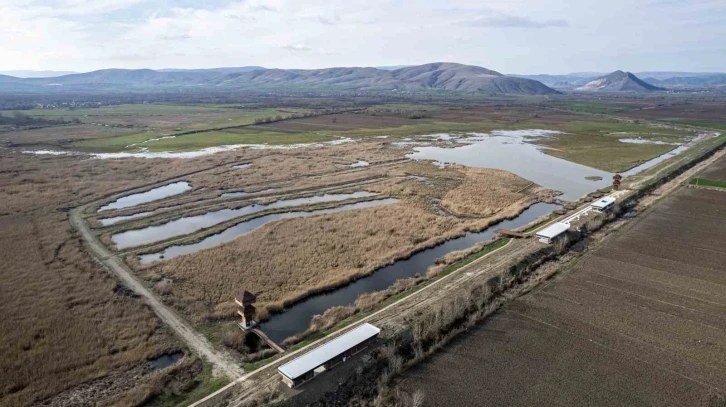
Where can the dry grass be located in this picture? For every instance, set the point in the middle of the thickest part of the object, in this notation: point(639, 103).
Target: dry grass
point(65, 321)
point(271, 166)
point(484, 192)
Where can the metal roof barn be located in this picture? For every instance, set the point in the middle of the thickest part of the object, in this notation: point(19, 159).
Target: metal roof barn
point(552, 231)
point(307, 363)
point(603, 203)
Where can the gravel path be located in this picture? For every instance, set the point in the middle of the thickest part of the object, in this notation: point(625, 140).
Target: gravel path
point(222, 363)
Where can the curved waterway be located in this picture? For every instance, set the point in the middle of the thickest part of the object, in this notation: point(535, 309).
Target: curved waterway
point(296, 319)
point(191, 224)
point(148, 196)
point(240, 229)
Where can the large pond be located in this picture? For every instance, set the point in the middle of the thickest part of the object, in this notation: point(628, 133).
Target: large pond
point(191, 224)
point(148, 196)
point(245, 227)
point(510, 150)
point(297, 318)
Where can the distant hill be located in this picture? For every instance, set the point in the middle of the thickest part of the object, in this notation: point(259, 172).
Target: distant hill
point(224, 70)
point(36, 74)
point(561, 81)
point(618, 81)
point(438, 76)
point(690, 81)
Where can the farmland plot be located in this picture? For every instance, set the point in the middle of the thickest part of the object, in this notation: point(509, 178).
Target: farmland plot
point(640, 321)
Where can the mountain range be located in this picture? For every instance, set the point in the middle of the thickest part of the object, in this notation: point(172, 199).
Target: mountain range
point(440, 76)
point(618, 81)
point(435, 76)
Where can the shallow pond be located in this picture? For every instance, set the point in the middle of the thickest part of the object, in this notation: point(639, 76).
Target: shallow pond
point(190, 224)
point(297, 318)
point(509, 150)
point(165, 361)
point(360, 163)
point(242, 166)
point(245, 227)
point(148, 196)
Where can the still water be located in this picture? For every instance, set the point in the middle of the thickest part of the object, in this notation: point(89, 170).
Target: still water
point(239, 229)
point(297, 318)
point(190, 224)
point(148, 196)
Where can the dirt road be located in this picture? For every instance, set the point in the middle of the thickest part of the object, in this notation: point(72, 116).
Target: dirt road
point(222, 363)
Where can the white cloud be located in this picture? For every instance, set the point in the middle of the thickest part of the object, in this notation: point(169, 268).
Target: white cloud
point(507, 36)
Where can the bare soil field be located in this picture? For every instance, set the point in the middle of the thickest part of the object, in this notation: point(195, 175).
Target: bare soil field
point(637, 322)
point(66, 322)
point(692, 112)
point(716, 171)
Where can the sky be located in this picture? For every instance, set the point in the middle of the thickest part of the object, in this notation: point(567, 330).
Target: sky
point(509, 36)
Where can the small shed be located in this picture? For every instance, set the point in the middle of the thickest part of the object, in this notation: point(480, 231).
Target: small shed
point(324, 357)
point(603, 204)
point(551, 232)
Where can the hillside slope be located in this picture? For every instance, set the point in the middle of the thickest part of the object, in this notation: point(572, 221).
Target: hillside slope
point(618, 81)
point(436, 76)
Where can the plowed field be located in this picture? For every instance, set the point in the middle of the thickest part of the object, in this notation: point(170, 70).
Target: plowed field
point(640, 321)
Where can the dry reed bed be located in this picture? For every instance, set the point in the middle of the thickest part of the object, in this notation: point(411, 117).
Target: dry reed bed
point(195, 237)
point(65, 322)
point(271, 166)
point(200, 205)
point(204, 197)
point(286, 261)
point(501, 189)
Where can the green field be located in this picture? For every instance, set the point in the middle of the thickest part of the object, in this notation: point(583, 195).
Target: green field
point(704, 182)
point(598, 145)
point(592, 107)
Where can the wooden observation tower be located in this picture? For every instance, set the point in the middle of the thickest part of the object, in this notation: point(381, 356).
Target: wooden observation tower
point(246, 309)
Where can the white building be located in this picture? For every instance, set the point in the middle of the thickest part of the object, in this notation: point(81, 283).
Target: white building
point(324, 357)
point(551, 232)
point(603, 204)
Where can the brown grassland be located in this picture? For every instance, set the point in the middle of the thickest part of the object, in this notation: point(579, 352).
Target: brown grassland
point(65, 321)
point(639, 320)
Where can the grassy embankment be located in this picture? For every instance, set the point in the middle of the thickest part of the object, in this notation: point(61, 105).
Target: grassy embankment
point(705, 182)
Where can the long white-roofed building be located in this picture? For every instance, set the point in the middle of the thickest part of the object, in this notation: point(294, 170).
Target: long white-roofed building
point(324, 357)
point(552, 232)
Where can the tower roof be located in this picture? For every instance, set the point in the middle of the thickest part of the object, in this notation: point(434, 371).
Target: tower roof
point(246, 297)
